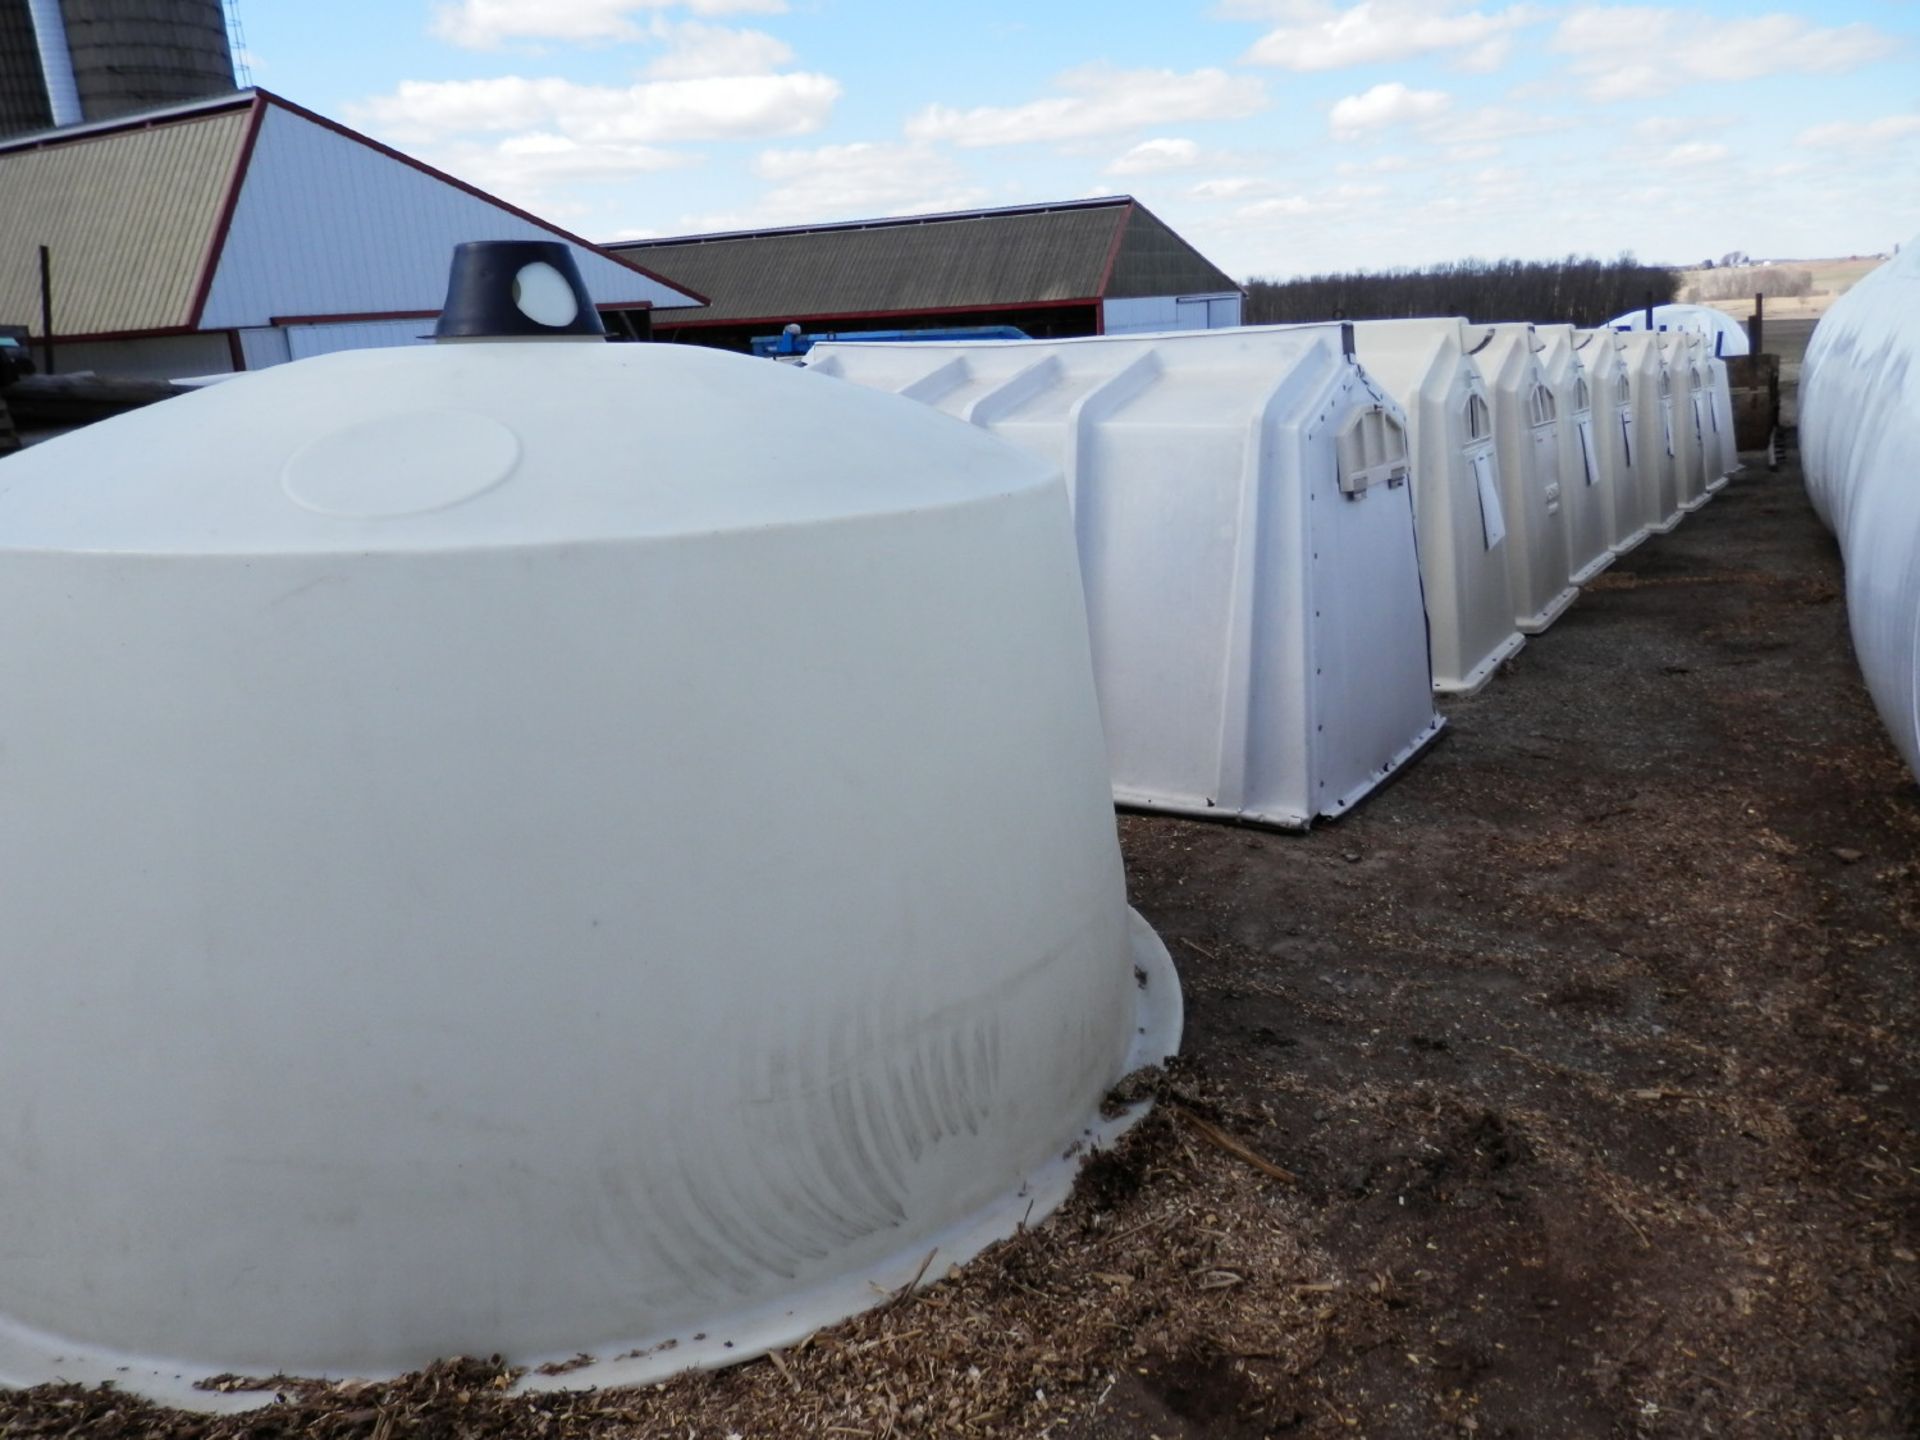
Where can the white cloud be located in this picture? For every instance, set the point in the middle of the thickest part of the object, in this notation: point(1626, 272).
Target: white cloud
point(1696, 152)
point(1379, 165)
point(1635, 51)
point(1152, 156)
point(1097, 100)
point(695, 51)
point(856, 181)
point(1486, 57)
point(1491, 125)
point(1859, 134)
point(1669, 129)
point(488, 24)
point(1283, 205)
point(657, 112)
point(1232, 187)
point(1384, 106)
point(1322, 37)
point(527, 168)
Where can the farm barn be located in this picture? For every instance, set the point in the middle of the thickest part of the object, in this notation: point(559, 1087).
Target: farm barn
point(1086, 267)
point(244, 231)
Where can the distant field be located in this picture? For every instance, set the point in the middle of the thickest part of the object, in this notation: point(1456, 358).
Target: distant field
point(1832, 278)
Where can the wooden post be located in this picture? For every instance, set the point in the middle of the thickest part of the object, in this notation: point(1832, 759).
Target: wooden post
point(46, 306)
point(1757, 323)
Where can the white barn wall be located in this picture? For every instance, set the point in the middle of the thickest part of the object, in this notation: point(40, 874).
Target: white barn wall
point(304, 341)
point(1161, 313)
point(263, 347)
point(327, 225)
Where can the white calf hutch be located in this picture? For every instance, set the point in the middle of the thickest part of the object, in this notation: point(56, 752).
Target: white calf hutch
point(471, 890)
point(1653, 428)
point(1526, 430)
point(1603, 354)
point(1725, 449)
point(1246, 539)
point(1586, 487)
point(1690, 462)
point(1458, 508)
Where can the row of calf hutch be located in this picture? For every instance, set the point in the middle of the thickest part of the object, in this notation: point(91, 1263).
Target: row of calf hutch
point(1291, 536)
point(1860, 444)
point(473, 892)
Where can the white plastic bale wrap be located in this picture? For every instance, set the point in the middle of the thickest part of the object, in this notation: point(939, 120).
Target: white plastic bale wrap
point(1860, 447)
point(537, 849)
point(1244, 510)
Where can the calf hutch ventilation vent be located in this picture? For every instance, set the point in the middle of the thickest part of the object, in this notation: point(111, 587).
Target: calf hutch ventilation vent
point(1859, 437)
point(474, 887)
point(1246, 538)
point(1458, 503)
point(1526, 430)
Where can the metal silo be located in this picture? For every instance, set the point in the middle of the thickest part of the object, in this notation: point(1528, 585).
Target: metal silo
point(65, 62)
point(133, 54)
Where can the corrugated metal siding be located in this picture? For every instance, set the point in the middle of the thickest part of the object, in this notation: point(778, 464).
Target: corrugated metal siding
point(23, 90)
point(984, 261)
point(135, 54)
point(129, 217)
point(1153, 260)
point(327, 225)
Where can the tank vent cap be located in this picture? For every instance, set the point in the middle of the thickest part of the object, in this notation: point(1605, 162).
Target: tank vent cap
point(517, 290)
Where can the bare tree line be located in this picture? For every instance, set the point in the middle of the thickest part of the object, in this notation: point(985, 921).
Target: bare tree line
point(1773, 281)
point(1579, 290)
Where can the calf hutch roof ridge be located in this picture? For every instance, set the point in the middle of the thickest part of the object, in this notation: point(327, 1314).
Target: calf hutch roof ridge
point(1026, 256)
point(168, 223)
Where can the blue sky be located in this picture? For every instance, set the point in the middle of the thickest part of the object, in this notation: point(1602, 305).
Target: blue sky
point(1281, 136)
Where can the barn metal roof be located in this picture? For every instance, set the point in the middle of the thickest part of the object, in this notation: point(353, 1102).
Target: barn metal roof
point(979, 259)
point(129, 217)
point(134, 212)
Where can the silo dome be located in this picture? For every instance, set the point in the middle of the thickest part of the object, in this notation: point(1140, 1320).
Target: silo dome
point(537, 849)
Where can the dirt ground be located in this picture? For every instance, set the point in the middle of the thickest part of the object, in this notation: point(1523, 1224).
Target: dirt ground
point(1566, 1089)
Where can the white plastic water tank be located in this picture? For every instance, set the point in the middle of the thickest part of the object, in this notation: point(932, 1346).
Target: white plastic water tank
point(1859, 436)
point(1683, 352)
point(1246, 540)
point(1526, 431)
point(1603, 354)
point(1586, 486)
point(1458, 507)
point(1653, 428)
point(538, 849)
